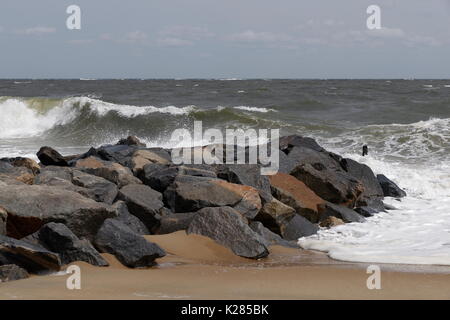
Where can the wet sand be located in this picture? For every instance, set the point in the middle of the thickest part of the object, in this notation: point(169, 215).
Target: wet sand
point(198, 268)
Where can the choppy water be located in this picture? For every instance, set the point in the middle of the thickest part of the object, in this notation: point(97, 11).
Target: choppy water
point(406, 124)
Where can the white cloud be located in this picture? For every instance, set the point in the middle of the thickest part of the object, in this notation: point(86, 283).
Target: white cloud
point(36, 31)
point(174, 42)
point(251, 36)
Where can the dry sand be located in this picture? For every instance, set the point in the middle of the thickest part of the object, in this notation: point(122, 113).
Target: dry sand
point(198, 268)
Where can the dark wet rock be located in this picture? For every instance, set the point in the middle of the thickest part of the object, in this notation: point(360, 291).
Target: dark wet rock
point(170, 223)
point(143, 202)
point(390, 188)
point(12, 272)
point(330, 222)
point(50, 157)
point(189, 194)
point(117, 153)
point(297, 195)
point(372, 189)
point(228, 228)
point(335, 186)
point(31, 257)
point(129, 248)
point(345, 214)
point(131, 221)
point(56, 237)
point(131, 141)
point(275, 215)
point(299, 227)
point(248, 174)
point(110, 171)
point(100, 189)
point(271, 239)
point(287, 143)
point(30, 207)
point(21, 162)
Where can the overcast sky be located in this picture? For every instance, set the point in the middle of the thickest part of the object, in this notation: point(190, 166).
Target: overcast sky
point(225, 39)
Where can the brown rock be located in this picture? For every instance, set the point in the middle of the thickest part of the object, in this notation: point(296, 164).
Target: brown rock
point(297, 195)
point(330, 222)
point(275, 215)
point(3, 221)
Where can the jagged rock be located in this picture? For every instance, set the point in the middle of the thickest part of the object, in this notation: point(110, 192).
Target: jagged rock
point(170, 223)
point(31, 257)
point(3, 221)
point(131, 221)
point(189, 194)
point(129, 248)
point(131, 141)
point(30, 207)
point(117, 153)
point(335, 186)
point(9, 173)
point(227, 227)
point(275, 215)
point(141, 158)
point(11, 272)
point(100, 189)
point(372, 193)
point(390, 189)
point(160, 176)
point(287, 143)
point(345, 214)
point(299, 227)
point(297, 195)
point(27, 163)
point(56, 237)
point(248, 174)
point(111, 171)
point(271, 239)
point(143, 202)
point(50, 172)
point(330, 222)
point(50, 157)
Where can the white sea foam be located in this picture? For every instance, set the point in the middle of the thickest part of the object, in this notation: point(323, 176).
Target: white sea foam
point(417, 233)
point(254, 109)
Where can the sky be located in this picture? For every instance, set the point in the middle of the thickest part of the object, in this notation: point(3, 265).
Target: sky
point(322, 39)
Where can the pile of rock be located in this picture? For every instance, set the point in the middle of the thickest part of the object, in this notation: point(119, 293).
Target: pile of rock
point(74, 208)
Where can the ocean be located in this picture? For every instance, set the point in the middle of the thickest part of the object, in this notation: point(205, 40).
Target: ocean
point(405, 123)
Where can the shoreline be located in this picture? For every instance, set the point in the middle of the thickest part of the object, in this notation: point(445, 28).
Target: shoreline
point(198, 268)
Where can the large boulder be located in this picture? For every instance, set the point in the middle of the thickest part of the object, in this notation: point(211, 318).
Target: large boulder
point(333, 185)
point(56, 237)
point(31, 257)
point(21, 162)
point(297, 228)
point(345, 214)
point(116, 153)
point(270, 238)
point(12, 272)
point(141, 158)
point(129, 248)
point(390, 189)
point(131, 141)
point(9, 174)
point(143, 202)
point(50, 157)
point(30, 207)
point(287, 143)
point(245, 174)
point(297, 195)
point(275, 215)
point(189, 194)
point(111, 171)
point(100, 189)
point(227, 227)
point(131, 221)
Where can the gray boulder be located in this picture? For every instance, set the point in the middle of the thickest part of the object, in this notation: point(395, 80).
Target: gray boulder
point(245, 174)
point(270, 238)
point(100, 189)
point(50, 157)
point(131, 221)
point(299, 227)
point(143, 202)
point(275, 215)
point(129, 248)
point(30, 207)
point(228, 228)
point(345, 214)
point(170, 223)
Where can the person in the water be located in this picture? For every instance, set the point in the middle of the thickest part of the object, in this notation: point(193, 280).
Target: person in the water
point(365, 150)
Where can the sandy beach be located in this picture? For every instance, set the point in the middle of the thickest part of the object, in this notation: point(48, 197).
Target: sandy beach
point(198, 268)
